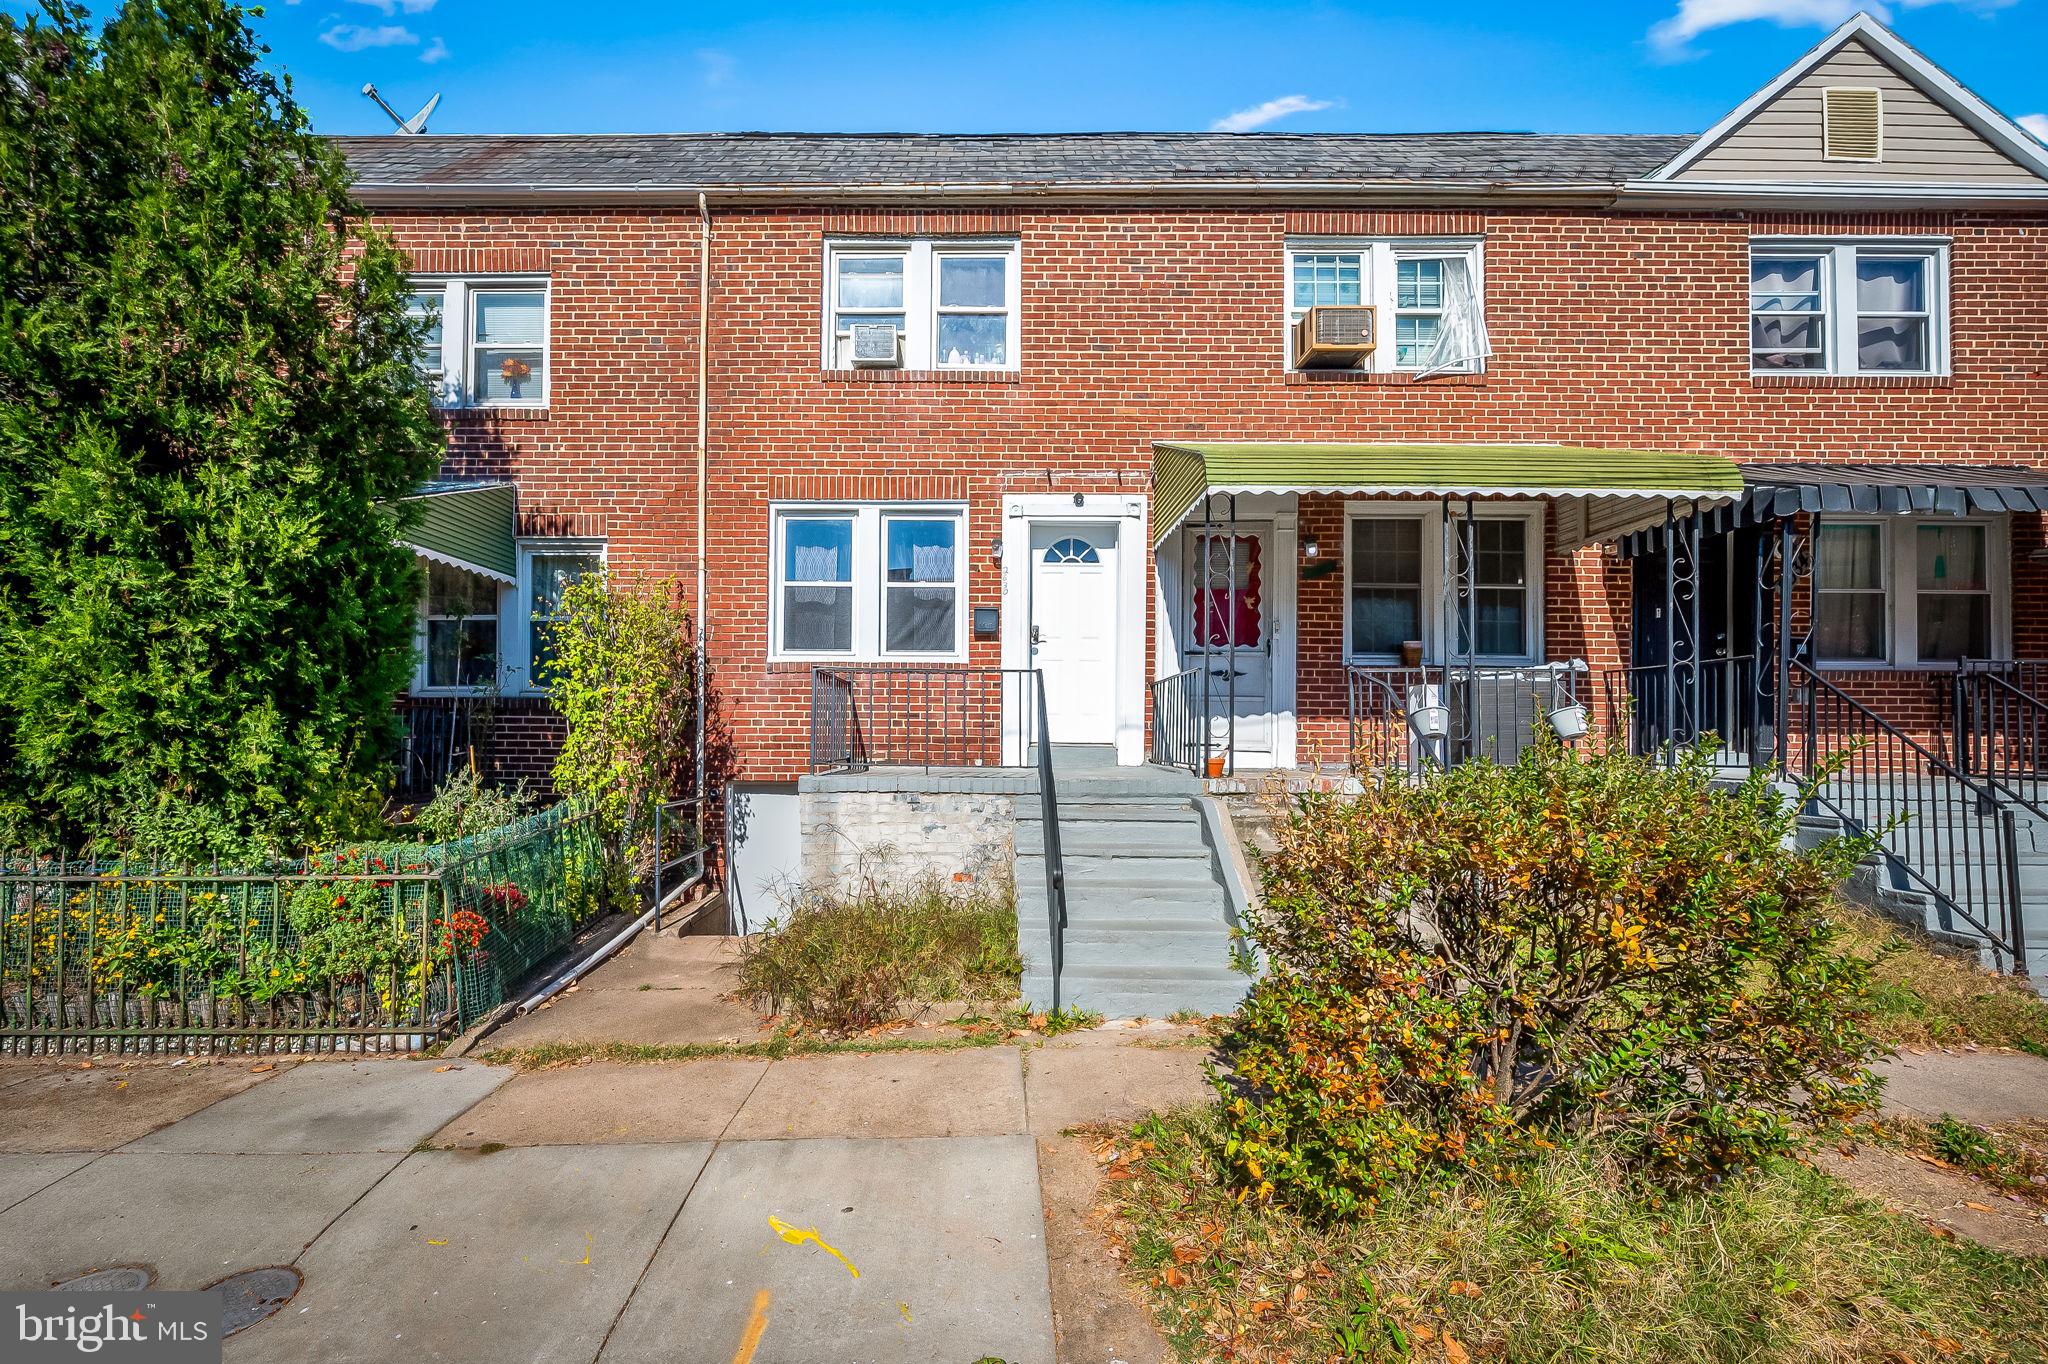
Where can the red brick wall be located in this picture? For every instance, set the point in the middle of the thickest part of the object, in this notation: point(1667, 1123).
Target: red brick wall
point(1620, 329)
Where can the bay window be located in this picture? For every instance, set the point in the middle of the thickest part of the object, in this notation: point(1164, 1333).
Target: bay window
point(954, 304)
point(1427, 296)
point(868, 581)
point(487, 341)
point(1904, 592)
point(1395, 588)
point(1864, 307)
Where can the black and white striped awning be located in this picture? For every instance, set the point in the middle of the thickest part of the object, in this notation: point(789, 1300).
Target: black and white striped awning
point(1771, 492)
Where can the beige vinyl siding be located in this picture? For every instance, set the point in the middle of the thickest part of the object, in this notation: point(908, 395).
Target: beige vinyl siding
point(1923, 142)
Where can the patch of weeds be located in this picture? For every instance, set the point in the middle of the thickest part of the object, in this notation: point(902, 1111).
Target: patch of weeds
point(841, 962)
point(2010, 1157)
point(549, 1055)
point(1959, 1143)
point(1057, 1021)
point(1568, 1258)
point(490, 1148)
point(1923, 994)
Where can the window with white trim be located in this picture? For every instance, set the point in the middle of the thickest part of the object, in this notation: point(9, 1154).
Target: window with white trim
point(487, 340)
point(954, 303)
point(868, 581)
point(1863, 307)
point(547, 570)
point(1428, 296)
point(1900, 592)
point(1394, 582)
point(458, 631)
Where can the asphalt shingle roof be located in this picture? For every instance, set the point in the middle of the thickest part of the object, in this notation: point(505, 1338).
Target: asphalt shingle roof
point(840, 161)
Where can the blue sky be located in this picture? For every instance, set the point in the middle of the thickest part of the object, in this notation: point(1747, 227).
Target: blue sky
point(925, 66)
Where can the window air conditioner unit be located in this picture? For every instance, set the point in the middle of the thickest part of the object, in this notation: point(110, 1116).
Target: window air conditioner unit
point(1334, 338)
point(876, 345)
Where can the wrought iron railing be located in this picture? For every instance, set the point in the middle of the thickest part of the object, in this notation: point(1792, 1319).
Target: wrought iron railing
point(1180, 722)
point(1639, 706)
point(1405, 719)
point(1945, 833)
point(883, 715)
point(2000, 732)
point(1055, 863)
point(679, 852)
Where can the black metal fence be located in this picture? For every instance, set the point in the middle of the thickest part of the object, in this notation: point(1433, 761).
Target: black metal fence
point(1643, 707)
point(1999, 727)
point(1942, 832)
point(365, 948)
point(1406, 719)
point(926, 717)
point(1180, 735)
point(442, 733)
point(679, 852)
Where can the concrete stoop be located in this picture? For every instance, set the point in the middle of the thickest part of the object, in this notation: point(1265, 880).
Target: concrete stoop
point(1149, 909)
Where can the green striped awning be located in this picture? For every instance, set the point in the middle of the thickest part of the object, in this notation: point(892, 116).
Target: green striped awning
point(471, 526)
point(1597, 481)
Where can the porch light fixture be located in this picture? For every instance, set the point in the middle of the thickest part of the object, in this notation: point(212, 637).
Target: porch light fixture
point(995, 549)
point(1309, 548)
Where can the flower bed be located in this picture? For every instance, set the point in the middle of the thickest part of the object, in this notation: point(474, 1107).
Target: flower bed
point(369, 948)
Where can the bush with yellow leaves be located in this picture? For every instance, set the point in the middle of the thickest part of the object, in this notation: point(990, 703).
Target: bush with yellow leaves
point(1592, 943)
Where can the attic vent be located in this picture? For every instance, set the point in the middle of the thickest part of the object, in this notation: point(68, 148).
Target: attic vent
point(1851, 124)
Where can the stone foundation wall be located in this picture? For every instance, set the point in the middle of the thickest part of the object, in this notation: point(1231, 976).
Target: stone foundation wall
point(900, 836)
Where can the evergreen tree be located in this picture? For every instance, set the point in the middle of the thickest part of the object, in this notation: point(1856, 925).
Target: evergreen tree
point(207, 393)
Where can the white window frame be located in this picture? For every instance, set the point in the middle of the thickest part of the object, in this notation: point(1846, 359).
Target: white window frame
point(1838, 257)
point(1379, 288)
point(1437, 622)
point(515, 662)
point(921, 257)
point(869, 580)
point(458, 336)
point(420, 686)
point(1901, 560)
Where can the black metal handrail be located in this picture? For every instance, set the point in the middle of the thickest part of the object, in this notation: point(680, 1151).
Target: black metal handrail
point(679, 851)
point(1941, 830)
point(1055, 863)
point(1376, 708)
point(1727, 704)
point(1180, 722)
point(2000, 734)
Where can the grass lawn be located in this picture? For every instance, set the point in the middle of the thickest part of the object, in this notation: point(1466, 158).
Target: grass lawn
point(1571, 1264)
point(1930, 997)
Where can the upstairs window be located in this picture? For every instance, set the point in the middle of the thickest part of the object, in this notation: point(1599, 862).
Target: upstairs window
point(1848, 308)
point(487, 341)
point(953, 304)
point(1429, 315)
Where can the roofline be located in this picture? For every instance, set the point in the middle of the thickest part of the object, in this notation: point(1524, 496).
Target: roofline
point(1945, 89)
point(1710, 194)
point(416, 194)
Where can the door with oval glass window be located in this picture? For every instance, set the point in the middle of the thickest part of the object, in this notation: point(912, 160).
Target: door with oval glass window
point(1073, 628)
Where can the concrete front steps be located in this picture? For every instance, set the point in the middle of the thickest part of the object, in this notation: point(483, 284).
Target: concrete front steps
point(1149, 914)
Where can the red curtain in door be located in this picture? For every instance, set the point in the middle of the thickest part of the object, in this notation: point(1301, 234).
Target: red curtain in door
point(1227, 616)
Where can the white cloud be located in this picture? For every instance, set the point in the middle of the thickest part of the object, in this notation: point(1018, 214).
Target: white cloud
point(1259, 115)
point(716, 69)
point(356, 37)
point(1694, 17)
point(2037, 124)
point(387, 8)
point(436, 51)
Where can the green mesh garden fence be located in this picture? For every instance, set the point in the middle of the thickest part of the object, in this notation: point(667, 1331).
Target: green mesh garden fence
point(372, 947)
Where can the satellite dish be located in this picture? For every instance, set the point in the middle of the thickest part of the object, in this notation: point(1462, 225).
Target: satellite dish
point(408, 126)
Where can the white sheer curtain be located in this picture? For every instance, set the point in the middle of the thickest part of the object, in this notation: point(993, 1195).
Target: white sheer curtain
point(1462, 345)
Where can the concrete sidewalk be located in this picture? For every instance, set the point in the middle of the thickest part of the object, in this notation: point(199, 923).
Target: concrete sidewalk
point(862, 1207)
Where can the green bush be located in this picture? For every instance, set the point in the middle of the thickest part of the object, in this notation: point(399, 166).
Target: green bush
point(1583, 943)
point(846, 961)
point(465, 804)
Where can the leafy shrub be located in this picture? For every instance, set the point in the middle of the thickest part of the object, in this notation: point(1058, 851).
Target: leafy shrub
point(1958, 1143)
point(846, 961)
point(465, 804)
point(1592, 943)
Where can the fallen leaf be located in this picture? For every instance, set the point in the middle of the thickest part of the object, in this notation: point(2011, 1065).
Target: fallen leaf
point(1422, 1331)
point(1941, 1232)
point(258, 1070)
point(85, 1065)
point(1185, 1255)
point(1980, 1207)
point(1298, 1296)
point(1465, 1289)
point(1172, 1277)
point(439, 1069)
point(1454, 1352)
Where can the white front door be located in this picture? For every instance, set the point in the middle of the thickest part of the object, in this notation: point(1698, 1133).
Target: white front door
point(1073, 628)
point(1227, 619)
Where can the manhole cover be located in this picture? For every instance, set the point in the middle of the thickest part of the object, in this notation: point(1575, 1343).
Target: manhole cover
point(119, 1279)
point(250, 1296)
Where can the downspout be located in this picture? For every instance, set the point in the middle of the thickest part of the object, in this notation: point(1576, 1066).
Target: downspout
point(703, 631)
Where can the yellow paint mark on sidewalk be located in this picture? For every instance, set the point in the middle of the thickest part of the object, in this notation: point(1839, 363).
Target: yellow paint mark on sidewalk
point(756, 1324)
point(589, 1244)
point(904, 1308)
point(796, 1236)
